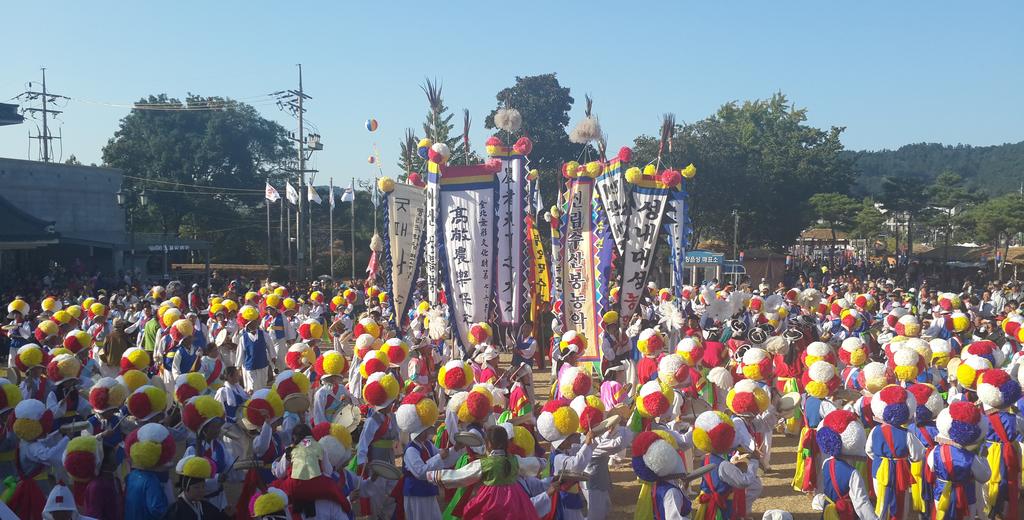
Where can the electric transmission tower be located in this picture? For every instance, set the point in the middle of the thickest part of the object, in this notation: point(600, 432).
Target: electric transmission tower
point(46, 100)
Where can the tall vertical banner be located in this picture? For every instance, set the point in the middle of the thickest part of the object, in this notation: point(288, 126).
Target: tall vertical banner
point(540, 278)
point(557, 222)
point(511, 243)
point(647, 205)
point(405, 210)
point(611, 185)
point(431, 260)
point(677, 226)
point(604, 245)
point(579, 298)
point(466, 205)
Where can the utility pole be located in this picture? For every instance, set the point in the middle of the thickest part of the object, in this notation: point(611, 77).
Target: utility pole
point(46, 98)
point(292, 101)
point(735, 233)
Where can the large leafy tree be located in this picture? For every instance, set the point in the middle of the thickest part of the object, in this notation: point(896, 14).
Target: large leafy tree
point(544, 105)
point(997, 220)
point(203, 162)
point(759, 158)
point(948, 195)
point(868, 221)
point(905, 198)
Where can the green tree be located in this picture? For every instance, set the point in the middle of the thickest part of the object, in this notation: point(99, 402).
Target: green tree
point(759, 158)
point(946, 196)
point(198, 165)
point(544, 105)
point(439, 127)
point(868, 221)
point(905, 199)
point(996, 221)
point(835, 209)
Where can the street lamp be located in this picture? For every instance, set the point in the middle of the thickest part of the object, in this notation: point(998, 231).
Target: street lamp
point(124, 200)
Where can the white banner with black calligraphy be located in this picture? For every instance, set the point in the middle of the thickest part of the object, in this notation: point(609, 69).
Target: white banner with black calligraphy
point(405, 210)
point(647, 206)
point(611, 185)
point(467, 243)
point(579, 268)
point(431, 260)
point(511, 240)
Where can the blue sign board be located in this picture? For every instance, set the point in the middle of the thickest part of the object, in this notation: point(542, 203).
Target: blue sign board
point(704, 258)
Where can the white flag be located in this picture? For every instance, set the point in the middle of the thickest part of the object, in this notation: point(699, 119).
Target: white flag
point(330, 194)
point(350, 193)
point(312, 195)
point(291, 193)
point(272, 194)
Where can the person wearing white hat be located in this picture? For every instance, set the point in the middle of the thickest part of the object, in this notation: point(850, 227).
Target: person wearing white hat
point(60, 505)
point(416, 417)
point(559, 424)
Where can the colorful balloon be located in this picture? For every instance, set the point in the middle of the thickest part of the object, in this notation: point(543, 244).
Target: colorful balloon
point(371, 159)
point(371, 124)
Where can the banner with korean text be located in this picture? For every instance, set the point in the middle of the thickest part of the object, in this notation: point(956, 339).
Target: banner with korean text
point(405, 210)
point(647, 206)
point(579, 298)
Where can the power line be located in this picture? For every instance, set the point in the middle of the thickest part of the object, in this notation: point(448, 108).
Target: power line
point(181, 184)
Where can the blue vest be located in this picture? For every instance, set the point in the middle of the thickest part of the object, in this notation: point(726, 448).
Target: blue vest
point(169, 352)
point(199, 338)
point(188, 357)
point(812, 411)
point(213, 451)
point(255, 352)
point(566, 499)
point(412, 486)
point(231, 412)
point(844, 472)
point(662, 488)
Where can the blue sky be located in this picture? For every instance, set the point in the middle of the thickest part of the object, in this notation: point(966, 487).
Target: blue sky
point(891, 72)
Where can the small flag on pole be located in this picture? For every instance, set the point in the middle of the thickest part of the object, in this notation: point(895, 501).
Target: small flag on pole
point(312, 195)
point(291, 193)
point(330, 194)
point(350, 193)
point(272, 194)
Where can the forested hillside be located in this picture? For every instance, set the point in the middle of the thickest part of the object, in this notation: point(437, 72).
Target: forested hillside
point(993, 170)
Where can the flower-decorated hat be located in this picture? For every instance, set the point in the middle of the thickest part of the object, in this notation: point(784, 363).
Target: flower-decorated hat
point(893, 405)
point(201, 411)
point(747, 398)
point(150, 446)
point(655, 456)
point(331, 364)
point(32, 420)
point(962, 423)
point(380, 390)
point(929, 401)
point(557, 422)
point(841, 433)
point(713, 432)
point(996, 389)
point(146, 402)
point(107, 394)
point(653, 399)
point(821, 379)
point(417, 412)
point(573, 382)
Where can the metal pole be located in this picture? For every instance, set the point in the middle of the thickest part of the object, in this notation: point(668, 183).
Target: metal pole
point(267, 204)
point(353, 228)
point(309, 215)
point(280, 229)
point(288, 212)
point(300, 267)
point(330, 225)
point(46, 131)
point(735, 233)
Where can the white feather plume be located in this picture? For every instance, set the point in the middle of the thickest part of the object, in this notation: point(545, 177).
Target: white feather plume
point(588, 129)
point(376, 243)
point(720, 377)
point(774, 302)
point(809, 299)
point(671, 317)
point(508, 119)
point(717, 310)
point(438, 324)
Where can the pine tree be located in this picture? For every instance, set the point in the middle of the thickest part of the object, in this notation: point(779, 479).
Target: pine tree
point(438, 127)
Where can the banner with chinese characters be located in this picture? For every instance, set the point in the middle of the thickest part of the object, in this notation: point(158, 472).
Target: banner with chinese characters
point(579, 298)
point(431, 260)
point(466, 205)
point(647, 206)
point(511, 241)
point(540, 278)
point(405, 208)
point(604, 245)
point(611, 186)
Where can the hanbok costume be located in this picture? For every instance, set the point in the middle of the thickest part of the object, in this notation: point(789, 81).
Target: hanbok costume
point(254, 354)
point(997, 391)
point(892, 449)
point(844, 494)
point(416, 414)
point(655, 456)
point(929, 404)
point(598, 488)
point(747, 400)
point(819, 381)
point(38, 450)
point(146, 495)
point(714, 433)
point(957, 473)
point(498, 495)
point(558, 422)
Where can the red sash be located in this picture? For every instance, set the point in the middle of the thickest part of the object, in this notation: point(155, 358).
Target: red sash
point(1012, 461)
point(962, 510)
point(844, 506)
point(716, 502)
point(28, 501)
point(926, 472)
point(809, 442)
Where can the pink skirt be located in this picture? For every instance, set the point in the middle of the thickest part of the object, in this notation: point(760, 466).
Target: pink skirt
point(500, 503)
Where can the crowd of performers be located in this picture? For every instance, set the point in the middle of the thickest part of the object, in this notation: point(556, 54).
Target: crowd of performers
point(275, 406)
